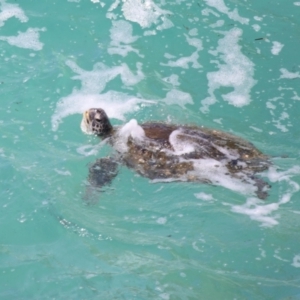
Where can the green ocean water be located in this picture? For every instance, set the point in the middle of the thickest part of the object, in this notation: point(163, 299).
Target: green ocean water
point(225, 64)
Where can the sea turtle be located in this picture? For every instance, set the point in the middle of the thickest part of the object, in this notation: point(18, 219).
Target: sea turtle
point(168, 152)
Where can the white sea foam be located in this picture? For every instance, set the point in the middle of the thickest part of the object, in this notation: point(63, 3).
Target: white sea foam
point(88, 150)
point(297, 3)
point(9, 10)
point(121, 32)
point(204, 197)
point(184, 62)
point(180, 147)
point(219, 23)
point(256, 129)
point(149, 32)
point(208, 11)
point(146, 13)
point(175, 96)
point(237, 72)
point(256, 27)
point(193, 32)
point(62, 172)
point(221, 7)
point(130, 129)
point(98, 1)
point(178, 97)
point(258, 212)
point(133, 129)
point(296, 259)
point(257, 18)
point(161, 220)
point(121, 36)
point(2, 152)
point(296, 96)
point(116, 105)
point(169, 56)
point(164, 296)
point(276, 48)
point(278, 123)
point(114, 5)
point(27, 40)
point(283, 117)
point(216, 172)
point(93, 82)
point(285, 74)
point(172, 79)
point(267, 214)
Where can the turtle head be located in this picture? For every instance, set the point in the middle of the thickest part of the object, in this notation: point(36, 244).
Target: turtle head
point(95, 121)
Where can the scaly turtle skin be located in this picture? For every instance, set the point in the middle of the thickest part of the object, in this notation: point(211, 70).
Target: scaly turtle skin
point(166, 152)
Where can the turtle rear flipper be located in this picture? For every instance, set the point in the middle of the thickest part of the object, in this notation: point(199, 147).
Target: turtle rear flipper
point(262, 187)
point(101, 173)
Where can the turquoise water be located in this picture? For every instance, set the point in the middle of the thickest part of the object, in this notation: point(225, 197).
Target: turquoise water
point(229, 65)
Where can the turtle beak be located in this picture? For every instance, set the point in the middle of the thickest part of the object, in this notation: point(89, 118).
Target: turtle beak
point(85, 123)
point(86, 116)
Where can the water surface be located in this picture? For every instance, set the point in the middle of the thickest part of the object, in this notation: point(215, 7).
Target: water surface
point(229, 65)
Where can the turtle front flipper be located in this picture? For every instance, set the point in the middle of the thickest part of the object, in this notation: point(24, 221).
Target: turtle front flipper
point(101, 173)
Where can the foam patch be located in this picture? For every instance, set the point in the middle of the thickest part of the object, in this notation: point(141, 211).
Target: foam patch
point(121, 36)
point(178, 97)
point(276, 107)
point(8, 10)
point(27, 40)
point(88, 150)
point(296, 259)
point(172, 79)
point(276, 48)
point(116, 104)
point(219, 23)
point(93, 82)
point(236, 71)
point(285, 74)
point(221, 7)
point(267, 213)
point(130, 129)
point(146, 14)
point(256, 27)
point(178, 145)
point(185, 62)
point(204, 197)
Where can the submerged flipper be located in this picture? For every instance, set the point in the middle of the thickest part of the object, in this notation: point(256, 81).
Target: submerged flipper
point(262, 187)
point(101, 173)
